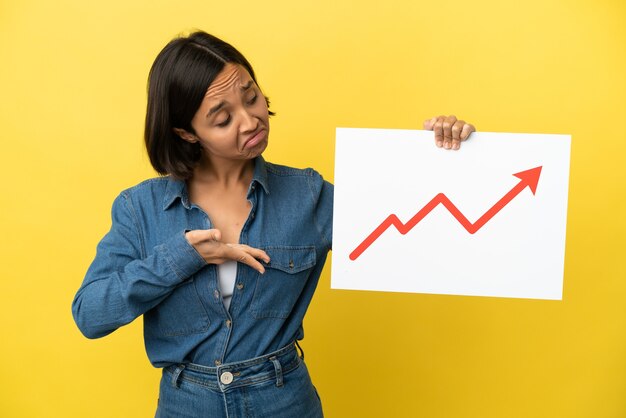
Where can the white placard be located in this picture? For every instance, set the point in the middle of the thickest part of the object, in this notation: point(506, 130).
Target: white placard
point(472, 224)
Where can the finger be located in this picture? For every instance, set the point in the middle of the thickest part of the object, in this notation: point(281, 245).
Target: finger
point(430, 123)
point(210, 235)
point(237, 252)
point(456, 134)
point(447, 131)
point(438, 128)
point(251, 261)
point(466, 131)
point(256, 253)
point(197, 236)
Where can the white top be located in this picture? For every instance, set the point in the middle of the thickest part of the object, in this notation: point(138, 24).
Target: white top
point(226, 275)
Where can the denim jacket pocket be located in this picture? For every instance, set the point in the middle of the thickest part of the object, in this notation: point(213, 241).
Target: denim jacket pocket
point(181, 313)
point(285, 275)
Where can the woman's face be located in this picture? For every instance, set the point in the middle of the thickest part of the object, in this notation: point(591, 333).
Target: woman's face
point(232, 121)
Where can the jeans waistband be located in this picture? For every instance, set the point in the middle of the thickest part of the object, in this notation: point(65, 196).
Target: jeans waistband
point(243, 373)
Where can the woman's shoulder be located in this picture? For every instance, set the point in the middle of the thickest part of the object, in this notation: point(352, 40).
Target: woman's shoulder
point(297, 183)
point(153, 191)
point(296, 176)
point(151, 185)
point(284, 170)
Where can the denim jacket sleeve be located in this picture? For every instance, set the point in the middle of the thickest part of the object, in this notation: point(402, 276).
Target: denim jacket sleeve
point(125, 280)
point(322, 195)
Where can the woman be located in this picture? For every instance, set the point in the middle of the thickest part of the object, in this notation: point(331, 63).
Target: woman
point(223, 254)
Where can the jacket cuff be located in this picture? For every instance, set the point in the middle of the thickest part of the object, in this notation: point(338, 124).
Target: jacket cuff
point(181, 257)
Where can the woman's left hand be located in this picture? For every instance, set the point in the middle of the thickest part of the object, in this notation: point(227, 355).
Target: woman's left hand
point(449, 131)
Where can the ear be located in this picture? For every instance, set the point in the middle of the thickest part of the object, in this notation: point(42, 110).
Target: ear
point(189, 137)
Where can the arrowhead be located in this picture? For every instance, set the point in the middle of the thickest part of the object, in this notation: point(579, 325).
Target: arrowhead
point(530, 178)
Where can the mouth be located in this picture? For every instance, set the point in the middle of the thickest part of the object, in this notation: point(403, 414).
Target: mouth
point(255, 139)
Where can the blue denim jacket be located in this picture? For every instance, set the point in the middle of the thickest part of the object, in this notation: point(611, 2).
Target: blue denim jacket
point(144, 265)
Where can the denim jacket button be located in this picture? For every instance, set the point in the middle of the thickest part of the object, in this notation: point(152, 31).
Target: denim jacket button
point(226, 378)
point(239, 286)
point(228, 323)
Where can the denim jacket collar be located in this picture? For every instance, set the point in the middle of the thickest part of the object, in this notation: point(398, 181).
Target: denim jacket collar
point(177, 189)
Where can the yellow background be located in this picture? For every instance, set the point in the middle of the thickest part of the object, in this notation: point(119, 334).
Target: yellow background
point(72, 102)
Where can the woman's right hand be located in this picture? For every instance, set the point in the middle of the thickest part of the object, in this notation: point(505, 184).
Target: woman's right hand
point(207, 243)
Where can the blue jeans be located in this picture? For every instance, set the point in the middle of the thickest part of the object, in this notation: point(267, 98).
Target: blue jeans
point(276, 385)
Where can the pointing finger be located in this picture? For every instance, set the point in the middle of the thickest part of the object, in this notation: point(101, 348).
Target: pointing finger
point(238, 253)
point(256, 253)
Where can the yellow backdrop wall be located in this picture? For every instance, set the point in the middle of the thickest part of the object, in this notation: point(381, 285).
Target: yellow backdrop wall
point(72, 101)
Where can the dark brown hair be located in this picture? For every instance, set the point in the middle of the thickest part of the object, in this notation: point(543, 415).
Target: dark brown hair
point(178, 80)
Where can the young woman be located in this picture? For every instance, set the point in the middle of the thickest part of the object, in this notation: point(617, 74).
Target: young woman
point(222, 253)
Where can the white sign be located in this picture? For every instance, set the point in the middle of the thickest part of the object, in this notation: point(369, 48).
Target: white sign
point(487, 220)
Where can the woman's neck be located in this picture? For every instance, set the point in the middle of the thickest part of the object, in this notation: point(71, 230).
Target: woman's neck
point(225, 173)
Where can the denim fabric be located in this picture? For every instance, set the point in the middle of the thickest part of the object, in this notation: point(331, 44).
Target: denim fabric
point(273, 386)
point(144, 265)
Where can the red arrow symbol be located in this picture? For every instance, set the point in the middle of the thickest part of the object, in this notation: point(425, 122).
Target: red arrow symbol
point(528, 178)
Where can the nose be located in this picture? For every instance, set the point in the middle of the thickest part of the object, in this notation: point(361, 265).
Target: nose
point(249, 122)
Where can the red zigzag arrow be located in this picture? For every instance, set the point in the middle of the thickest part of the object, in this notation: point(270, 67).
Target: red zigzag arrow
point(528, 178)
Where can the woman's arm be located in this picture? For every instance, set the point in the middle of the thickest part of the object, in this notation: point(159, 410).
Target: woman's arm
point(123, 281)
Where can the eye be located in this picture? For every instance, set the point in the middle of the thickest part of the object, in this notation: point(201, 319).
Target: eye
point(226, 122)
point(253, 99)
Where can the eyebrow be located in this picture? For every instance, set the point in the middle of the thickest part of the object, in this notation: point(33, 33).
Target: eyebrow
point(221, 104)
